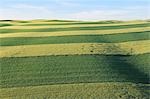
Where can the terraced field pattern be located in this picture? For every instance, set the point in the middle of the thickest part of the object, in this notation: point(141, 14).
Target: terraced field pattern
point(59, 59)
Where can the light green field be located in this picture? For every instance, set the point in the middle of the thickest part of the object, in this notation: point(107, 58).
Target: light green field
point(59, 59)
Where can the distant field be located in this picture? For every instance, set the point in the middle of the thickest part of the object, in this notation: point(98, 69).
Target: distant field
point(60, 59)
point(73, 28)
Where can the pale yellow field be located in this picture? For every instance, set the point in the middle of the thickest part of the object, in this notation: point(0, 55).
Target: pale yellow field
point(126, 48)
point(66, 33)
point(77, 91)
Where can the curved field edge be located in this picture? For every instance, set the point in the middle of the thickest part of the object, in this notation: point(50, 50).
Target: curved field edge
point(125, 48)
point(108, 90)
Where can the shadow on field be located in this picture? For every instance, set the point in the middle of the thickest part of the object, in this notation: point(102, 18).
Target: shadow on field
point(121, 65)
point(127, 70)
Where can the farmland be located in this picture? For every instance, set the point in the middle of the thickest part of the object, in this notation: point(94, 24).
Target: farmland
point(61, 59)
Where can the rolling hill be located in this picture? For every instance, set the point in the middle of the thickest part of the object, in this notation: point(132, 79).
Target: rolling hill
point(59, 59)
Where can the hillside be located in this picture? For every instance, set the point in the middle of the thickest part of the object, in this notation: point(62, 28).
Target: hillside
point(61, 59)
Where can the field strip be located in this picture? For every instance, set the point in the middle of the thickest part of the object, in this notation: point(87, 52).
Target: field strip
point(40, 23)
point(43, 23)
point(125, 48)
point(73, 28)
point(110, 38)
point(67, 33)
point(66, 69)
point(75, 21)
point(48, 25)
point(17, 23)
point(112, 90)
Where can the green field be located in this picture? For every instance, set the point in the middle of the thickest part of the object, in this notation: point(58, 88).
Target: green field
point(110, 38)
point(85, 61)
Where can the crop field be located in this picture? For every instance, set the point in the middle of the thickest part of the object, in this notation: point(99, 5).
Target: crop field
point(59, 59)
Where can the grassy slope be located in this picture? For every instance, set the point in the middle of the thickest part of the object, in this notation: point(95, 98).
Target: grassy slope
point(29, 71)
point(45, 70)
